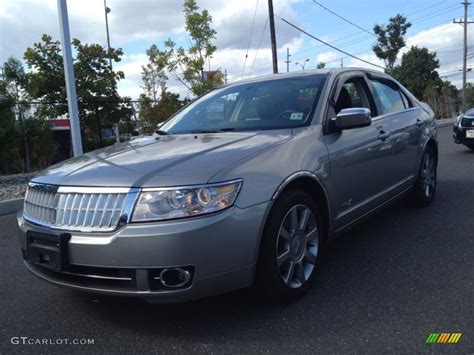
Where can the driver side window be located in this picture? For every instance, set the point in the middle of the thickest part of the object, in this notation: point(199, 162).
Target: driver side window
point(352, 94)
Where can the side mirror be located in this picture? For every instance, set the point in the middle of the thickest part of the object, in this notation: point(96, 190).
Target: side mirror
point(352, 118)
point(158, 126)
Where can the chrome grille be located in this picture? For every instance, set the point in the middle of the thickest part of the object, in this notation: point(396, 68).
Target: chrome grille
point(467, 122)
point(78, 208)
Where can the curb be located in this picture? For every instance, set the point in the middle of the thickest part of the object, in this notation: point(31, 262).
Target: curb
point(11, 206)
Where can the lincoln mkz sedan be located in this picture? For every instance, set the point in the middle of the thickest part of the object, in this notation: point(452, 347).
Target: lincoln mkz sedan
point(240, 188)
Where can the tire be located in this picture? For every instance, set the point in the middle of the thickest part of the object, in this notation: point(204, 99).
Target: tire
point(470, 146)
point(425, 186)
point(288, 255)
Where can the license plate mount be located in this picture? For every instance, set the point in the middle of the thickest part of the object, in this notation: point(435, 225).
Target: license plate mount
point(48, 250)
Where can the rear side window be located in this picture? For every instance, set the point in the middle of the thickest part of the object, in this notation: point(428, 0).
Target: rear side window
point(388, 97)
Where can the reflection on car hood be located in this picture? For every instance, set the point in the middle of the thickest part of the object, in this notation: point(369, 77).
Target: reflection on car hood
point(161, 161)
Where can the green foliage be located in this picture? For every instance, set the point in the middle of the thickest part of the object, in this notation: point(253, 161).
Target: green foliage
point(96, 83)
point(470, 95)
point(41, 144)
point(154, 73)
point(390, 39)
point(10, 161)
point(321, 65)
point(154, 112)
point(187, 66)
point(417, 71)
point(156, 103)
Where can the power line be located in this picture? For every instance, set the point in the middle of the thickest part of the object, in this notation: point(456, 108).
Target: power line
point(344, 19)
point(329, 45)
point(250, 38)
point(362, 39)
point(259, 45)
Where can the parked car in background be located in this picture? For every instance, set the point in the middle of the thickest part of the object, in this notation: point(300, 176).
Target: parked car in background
point(463, 130)
point(239, 188)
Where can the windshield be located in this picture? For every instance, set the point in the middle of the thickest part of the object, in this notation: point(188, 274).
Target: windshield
point(271, 104)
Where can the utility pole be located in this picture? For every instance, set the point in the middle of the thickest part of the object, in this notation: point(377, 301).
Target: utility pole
point(464, 64)
point(69, 78)
point(288, 61)
point(225, 76)
point(342, 62)
point(272, 36)
point(107, 11)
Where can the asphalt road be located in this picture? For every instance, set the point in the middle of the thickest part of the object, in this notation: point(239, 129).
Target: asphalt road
point(382, 287)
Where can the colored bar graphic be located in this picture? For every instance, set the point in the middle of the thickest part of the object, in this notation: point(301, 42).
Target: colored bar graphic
point(443, 338)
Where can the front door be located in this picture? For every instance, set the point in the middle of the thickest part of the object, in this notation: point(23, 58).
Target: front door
point(357, 156)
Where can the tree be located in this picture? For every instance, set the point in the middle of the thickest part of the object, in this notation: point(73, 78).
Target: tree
point(96, 84)
point(154, 73)
point(470, 95)
point(417, 71)
point(156, 103)
point(187, 66)
point(9, 153)
point(321, 65)
point(390, 39)
point(15, 81)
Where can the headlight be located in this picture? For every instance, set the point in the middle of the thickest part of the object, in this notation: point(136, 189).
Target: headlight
point(156, 204)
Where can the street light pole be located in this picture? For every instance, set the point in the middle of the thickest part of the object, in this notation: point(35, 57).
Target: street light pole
point(69, 78)
point(303, 63)
point(107, 11)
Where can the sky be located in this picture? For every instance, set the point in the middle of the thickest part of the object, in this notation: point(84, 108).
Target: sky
point(137, 24)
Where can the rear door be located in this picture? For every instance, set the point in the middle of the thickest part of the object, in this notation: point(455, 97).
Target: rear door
point(358, 156)
point(403, 122)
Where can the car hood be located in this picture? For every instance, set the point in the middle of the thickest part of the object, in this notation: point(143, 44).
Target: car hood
point(171, 160)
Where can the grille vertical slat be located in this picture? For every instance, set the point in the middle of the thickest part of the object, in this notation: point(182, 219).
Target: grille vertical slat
point(71, 210)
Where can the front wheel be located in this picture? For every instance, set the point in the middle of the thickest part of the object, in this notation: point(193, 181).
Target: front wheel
point(289, 248)
point(470, 146)
point(425, 186)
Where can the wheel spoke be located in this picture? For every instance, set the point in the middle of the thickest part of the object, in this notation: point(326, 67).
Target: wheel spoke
point(427, 190)
point(294, 219)
point(289, 273)
point(304, 219)
point(312, 234)
point(283, 258)
point(299, 273)
point(284, 233)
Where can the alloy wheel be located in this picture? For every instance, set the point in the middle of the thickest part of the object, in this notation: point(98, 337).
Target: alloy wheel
point(428, 174)
point(297, 246)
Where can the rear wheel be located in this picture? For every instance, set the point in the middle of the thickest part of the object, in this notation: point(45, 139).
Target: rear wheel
point(425, 187)
point(289, 248)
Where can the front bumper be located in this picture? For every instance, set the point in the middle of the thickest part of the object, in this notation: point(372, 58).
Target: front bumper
point(459, 135)
point(219, 250)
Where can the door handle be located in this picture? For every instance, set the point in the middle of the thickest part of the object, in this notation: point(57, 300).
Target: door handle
point(419, 122)
point(383, 135)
